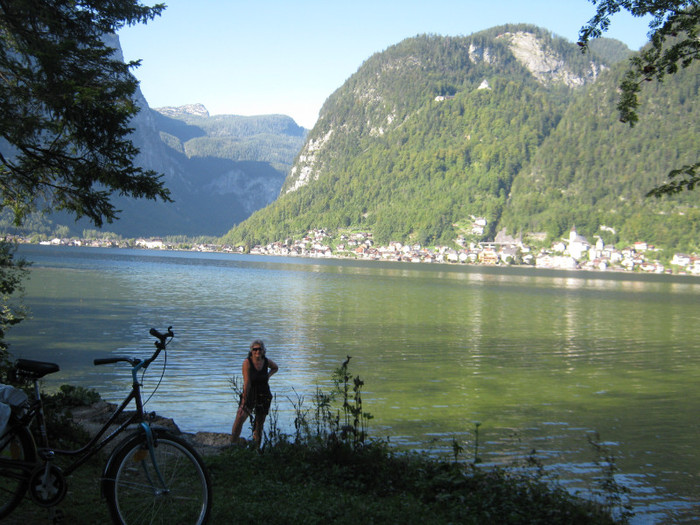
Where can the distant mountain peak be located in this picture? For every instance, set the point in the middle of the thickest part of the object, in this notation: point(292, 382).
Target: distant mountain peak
point(197, 110)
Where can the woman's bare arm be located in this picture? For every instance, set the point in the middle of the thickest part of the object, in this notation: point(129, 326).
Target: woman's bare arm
point(246, 381)
point(273, 368)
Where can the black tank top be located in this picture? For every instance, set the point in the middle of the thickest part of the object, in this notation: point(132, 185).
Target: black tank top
point(259, 395)
point(258, 378)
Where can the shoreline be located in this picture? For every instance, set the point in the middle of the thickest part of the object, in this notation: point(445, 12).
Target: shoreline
point(598, 273)
point(91, 418)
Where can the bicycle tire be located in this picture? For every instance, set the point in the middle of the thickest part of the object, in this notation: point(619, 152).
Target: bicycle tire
point(14, 482)
point(134, 493)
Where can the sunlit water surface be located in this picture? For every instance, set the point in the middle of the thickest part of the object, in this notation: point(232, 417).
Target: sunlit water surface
point(542, 360)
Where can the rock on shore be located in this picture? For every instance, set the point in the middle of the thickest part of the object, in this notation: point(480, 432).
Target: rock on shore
point(92, 417)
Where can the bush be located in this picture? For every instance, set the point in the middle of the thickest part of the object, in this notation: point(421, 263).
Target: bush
point(62, 431)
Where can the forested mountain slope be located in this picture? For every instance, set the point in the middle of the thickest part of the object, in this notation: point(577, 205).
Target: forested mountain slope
point(437, 131)
point(594, 171)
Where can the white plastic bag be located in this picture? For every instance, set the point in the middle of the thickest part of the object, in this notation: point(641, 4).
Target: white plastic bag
point(10, 397)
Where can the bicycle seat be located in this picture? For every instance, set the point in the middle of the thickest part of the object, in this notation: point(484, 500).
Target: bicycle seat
point(35, 369)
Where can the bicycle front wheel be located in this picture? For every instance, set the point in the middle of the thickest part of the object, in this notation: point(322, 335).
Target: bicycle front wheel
point(17, 452)
point(170, 486)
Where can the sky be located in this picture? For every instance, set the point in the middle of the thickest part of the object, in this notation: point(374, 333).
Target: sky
point(259, 57)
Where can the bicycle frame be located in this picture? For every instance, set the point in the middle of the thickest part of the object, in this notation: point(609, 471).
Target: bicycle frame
point(173, 482)
point(96, 443)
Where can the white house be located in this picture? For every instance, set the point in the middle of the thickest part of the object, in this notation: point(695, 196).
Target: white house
point(578, 245)
point(680, 259)
point(151, 244)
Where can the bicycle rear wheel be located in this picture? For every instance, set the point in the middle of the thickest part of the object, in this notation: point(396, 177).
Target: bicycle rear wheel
point(172, 487)
point(15, 450)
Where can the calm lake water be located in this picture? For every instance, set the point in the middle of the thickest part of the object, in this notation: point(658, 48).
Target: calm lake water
point(541, 359)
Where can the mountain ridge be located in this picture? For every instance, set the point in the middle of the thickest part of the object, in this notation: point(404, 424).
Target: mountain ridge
point(435, 131)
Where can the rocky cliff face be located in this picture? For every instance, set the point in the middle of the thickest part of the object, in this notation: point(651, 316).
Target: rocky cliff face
point(545, 64)
point(307, 166)
point(212, 184)
point(188, 110)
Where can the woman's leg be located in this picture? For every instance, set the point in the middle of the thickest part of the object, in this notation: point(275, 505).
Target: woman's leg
point(258, 429)
point(241, 416)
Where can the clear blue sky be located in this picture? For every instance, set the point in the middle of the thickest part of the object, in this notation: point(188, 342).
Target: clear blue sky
point(259, 57)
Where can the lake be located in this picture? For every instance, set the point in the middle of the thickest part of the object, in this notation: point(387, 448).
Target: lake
point(542, 360)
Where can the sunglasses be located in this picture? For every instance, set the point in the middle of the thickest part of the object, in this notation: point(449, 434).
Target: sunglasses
point(256, 349)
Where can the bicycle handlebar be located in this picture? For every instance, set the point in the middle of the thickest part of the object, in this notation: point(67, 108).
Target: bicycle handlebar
point(160, 345)
point(161, 337)
point(110, 360)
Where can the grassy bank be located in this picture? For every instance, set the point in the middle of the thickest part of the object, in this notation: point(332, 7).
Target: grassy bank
point(330, 472)
point(338, 484)
point(290, 484)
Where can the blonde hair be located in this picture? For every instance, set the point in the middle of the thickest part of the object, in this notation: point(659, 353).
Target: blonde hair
point(260, 343)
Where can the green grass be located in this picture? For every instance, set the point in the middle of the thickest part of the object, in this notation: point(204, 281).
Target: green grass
point(83, 503)
point(289, 484)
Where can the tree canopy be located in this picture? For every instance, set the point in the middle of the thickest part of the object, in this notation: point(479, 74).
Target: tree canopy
point(674, 44)
point(65, 105)
point(66, 101)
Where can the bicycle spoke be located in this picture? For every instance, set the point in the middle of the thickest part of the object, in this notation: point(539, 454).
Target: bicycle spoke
point(169, 486)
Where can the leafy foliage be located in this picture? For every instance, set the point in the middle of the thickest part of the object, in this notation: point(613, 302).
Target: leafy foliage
point(12, 274)
point(65, 106)
point(62, 430)
point(674, 45)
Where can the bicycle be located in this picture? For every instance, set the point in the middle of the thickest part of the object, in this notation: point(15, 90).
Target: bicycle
point(151, 476)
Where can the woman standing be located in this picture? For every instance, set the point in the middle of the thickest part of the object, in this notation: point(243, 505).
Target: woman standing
point(256, 396)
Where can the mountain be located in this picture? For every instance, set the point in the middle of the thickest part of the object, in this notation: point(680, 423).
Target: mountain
point(228, 165)
point(513, 125)
point(594, 172)
point(219, 169)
